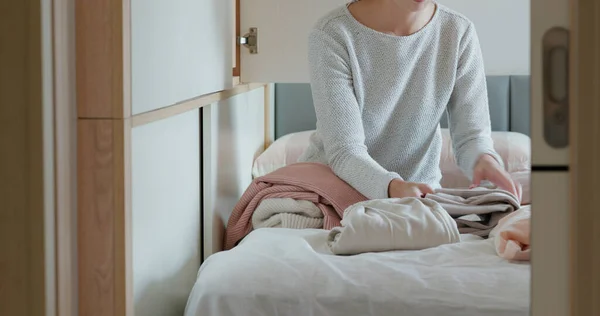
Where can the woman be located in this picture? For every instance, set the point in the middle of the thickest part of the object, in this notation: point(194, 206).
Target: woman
point(382, 74)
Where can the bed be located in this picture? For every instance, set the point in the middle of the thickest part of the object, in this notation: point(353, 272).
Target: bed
point(276, 271)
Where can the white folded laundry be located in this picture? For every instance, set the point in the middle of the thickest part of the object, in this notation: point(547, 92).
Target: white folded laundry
point(287, 213)
point(393, 224)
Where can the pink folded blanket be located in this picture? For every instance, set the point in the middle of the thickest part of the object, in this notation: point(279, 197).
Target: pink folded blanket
point(302, 181)
point(512, 235)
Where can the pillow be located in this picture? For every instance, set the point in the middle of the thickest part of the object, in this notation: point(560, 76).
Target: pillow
point(282, 152)
point(514, 149)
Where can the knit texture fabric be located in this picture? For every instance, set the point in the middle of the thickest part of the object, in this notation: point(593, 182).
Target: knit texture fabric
point(379, 99)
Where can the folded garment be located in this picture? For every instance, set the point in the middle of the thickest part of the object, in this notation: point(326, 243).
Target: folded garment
point(512, 235)
point(478, 210)
point(393, 224)
point(287, 213)
point(312, 182)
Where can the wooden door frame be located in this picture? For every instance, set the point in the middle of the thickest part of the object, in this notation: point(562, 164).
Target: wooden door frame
point(27, 258)
point(65, 156)
point(585, 158)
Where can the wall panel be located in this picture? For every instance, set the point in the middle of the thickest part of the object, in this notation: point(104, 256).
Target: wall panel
point(233, 135)
point(166, 204)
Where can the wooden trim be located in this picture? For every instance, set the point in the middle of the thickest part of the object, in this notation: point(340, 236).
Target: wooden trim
point(126, 53)
point(585, 158)
point(103, 58)
point(268, 140)
point(236, 69)
point(192, 104)
point(104, 212)
point(123, 224)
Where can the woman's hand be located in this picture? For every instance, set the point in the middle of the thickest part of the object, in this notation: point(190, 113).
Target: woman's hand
point(401, 189)
point(487, 168)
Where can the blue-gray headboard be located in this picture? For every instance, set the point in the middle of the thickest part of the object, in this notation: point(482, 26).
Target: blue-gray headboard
point(508, 98)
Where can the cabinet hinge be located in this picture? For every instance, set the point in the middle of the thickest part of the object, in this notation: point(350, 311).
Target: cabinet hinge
point(250, 40)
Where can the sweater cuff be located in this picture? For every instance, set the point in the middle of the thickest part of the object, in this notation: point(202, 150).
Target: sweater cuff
point(383, 191)
point(494, 155)
point(478, 156)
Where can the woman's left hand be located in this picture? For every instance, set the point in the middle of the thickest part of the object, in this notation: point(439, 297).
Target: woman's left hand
point(487, 168)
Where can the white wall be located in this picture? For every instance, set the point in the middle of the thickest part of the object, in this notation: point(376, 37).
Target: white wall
point(233, 138)
point(180, 49)
point(503, 27)
point(166, 208)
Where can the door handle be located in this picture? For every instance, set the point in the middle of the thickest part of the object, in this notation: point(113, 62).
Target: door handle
point(556, 87)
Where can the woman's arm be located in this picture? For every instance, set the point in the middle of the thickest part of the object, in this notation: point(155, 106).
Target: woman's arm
point(339, 119)
point(468, 109)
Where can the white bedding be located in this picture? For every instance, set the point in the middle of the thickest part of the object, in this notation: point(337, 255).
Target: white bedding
point(278, 271)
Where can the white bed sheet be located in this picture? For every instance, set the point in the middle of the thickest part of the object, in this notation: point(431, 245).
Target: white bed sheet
point(276, 271)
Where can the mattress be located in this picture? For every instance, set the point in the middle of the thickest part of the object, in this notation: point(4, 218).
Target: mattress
point(276, 271)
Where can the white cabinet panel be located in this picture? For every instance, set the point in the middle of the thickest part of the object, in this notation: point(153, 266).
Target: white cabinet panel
point(550, 244)
point(180, 49)
point(502, 25)
point(546, 14)
point(166, 205)
point(233, 136)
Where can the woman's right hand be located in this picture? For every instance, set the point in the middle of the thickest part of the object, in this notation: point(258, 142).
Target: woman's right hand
point(400, 189)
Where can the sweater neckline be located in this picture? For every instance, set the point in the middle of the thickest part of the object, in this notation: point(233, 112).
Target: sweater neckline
point(425, 29)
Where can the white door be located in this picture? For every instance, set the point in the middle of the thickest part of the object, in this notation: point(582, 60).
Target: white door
point(512, 35)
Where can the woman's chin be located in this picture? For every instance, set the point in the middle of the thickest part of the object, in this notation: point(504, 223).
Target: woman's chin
point(419, 5)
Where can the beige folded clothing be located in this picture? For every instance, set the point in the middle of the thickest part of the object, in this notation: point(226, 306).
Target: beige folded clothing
point(392, 224)
point(476, 211)
point(287, 213)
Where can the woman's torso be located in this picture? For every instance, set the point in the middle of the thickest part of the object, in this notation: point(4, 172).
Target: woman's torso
point(403, 85)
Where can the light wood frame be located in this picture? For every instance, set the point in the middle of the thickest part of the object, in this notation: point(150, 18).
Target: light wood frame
point(103, 72)
point(103, 155)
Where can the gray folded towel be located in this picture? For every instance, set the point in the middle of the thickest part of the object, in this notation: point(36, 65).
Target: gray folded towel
point(478, 210)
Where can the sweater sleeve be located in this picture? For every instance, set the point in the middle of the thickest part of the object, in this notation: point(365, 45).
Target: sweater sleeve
point(468, 109)
point(339, 118)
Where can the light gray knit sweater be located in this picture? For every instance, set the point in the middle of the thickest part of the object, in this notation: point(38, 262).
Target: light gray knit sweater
point(379, 99)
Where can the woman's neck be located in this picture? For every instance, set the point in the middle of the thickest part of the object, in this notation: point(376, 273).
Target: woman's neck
point(398, 17)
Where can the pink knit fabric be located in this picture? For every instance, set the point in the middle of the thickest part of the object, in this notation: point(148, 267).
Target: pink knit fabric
point(302, 181)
